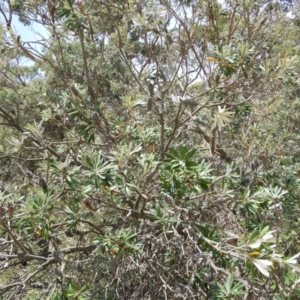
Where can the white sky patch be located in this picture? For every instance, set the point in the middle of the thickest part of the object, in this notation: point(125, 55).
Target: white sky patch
point(222, 2)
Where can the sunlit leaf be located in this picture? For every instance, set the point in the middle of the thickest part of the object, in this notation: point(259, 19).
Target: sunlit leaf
point(262, 265)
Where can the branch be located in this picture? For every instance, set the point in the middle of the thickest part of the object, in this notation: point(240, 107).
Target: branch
point(9, 19)
point(6, 228)
point(85, 65)
point(49, 261)
point(218, 149)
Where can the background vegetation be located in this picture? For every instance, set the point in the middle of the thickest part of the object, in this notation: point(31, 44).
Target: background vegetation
point(149, 150)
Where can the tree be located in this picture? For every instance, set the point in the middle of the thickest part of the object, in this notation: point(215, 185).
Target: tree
point(149, 151)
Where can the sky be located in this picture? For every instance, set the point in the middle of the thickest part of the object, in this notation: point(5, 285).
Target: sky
point(27, 33)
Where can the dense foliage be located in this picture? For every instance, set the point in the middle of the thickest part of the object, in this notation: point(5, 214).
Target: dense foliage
point(149, 150)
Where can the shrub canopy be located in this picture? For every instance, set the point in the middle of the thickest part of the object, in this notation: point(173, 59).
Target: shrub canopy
point(149, 150)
